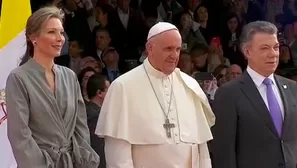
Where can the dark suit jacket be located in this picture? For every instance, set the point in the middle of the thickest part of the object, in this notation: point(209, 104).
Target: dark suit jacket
point(256, 10)
point(77, 28)
point(105, 72)
point(93, 111)
point(124, 40)
point(244, 133)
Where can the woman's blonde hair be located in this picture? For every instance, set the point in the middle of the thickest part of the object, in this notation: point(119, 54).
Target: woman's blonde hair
point(34, 26)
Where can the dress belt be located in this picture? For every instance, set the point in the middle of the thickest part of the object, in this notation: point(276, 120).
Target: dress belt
point(58, 152)
point(57, 149)
point(63, 149)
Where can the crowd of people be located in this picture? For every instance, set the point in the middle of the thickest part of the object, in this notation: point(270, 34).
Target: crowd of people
point(110, 36)
point(124, 57)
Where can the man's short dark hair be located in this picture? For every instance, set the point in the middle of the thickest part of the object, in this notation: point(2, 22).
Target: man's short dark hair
point(200, 47)
point(106, 8)
point(96, 82)
point(108, 50)
point(80, 44)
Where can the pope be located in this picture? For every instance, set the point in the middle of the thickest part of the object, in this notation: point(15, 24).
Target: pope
point(156, 116)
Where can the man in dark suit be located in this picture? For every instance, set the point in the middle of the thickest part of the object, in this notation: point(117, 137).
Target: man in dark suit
point(111, 60)
point(97, 87)
point(124, 23)
point(256, 113)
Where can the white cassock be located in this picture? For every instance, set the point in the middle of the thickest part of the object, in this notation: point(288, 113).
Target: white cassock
point(131, 120)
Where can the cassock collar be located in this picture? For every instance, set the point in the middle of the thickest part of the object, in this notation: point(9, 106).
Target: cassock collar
point(38, 67)
point(152, 71)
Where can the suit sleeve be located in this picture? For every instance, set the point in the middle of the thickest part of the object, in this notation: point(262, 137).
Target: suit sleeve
point(118, 153)
point(24, 147)
point(223, 146)
point(96, 143)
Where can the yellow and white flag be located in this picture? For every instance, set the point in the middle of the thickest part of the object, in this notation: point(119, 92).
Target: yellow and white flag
point(14, 14)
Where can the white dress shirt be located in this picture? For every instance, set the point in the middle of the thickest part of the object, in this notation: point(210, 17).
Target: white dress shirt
point(99, 54)
point(88, 4)
point(92, 22)
point(258, 80)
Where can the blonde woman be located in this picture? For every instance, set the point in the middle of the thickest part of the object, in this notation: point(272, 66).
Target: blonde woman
point(47, 124)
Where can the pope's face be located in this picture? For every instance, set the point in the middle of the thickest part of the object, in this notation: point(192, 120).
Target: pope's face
point(164, 51)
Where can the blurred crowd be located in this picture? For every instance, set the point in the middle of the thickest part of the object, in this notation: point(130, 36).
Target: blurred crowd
point(109, 36)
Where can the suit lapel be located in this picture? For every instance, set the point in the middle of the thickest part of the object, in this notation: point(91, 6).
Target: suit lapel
point(118, 20)
point(287, 102)
point(252, 93)
point(130, 20)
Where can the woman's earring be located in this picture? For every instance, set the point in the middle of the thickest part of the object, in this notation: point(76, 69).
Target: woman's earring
point(34, 42)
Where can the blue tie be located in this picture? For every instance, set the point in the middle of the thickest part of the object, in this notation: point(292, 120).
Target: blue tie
point(274, 107)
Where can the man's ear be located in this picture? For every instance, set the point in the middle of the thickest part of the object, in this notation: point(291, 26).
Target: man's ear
point(98, 92)
point(149, 47)
point(109, 40)
point(246, 51)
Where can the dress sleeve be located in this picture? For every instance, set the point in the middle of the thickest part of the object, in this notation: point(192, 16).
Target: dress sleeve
point(25, 149)
point(81, 127)
point(118, 153)
point(84, 155)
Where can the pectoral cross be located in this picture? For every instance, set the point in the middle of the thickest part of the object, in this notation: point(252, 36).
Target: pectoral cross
point(168, 127)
